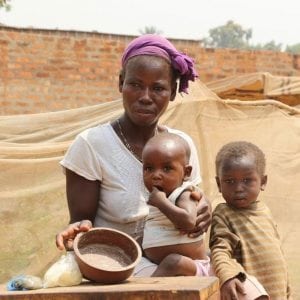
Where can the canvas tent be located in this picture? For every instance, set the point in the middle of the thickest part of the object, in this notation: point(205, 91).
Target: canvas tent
point(258, 86)
point(32, 194)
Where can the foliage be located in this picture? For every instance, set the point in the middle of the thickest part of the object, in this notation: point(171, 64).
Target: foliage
point(230, 35)
point(4, 4)
point(294, 49)
point(272, 46)
point(150, 30)
point(233, 35)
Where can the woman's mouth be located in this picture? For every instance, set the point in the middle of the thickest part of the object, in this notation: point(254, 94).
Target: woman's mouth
point(144, 111)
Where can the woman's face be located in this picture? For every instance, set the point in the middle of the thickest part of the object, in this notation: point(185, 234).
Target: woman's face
point(147, 87)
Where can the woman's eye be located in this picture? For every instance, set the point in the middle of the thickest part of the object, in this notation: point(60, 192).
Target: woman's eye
point(134, 84)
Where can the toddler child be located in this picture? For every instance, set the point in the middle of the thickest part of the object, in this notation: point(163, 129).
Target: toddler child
point(245, 246)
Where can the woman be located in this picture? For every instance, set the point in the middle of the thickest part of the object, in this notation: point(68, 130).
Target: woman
point(103, 165)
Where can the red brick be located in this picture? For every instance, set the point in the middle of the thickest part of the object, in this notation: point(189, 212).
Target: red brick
point(54, 69)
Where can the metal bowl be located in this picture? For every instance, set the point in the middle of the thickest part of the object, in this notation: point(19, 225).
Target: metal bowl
point(106, 255)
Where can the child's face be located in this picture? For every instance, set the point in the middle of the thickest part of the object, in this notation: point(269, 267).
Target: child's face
point(164, 168)
point(239, 181)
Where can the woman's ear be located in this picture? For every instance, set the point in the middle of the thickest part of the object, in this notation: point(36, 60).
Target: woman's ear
point(218, 183)
point(173, 92)
point(263, 184)
point(121, 80)
point(187, 171)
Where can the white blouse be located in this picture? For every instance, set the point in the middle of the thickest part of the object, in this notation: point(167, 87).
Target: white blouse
point(98, 154)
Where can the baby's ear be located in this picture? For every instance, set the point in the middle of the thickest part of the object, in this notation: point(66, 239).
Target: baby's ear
point(264, 180)
point(187, 171)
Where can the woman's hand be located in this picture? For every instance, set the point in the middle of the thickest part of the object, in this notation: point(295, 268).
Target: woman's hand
point(64, 239)
point(204, 214)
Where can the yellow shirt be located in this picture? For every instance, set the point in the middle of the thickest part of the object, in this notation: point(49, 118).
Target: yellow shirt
point(247, 241)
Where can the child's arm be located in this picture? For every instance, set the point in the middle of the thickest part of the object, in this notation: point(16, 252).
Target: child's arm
point(183, 215)
point(223, 243)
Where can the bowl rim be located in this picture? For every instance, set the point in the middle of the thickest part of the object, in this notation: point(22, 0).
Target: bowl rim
point(79, 255)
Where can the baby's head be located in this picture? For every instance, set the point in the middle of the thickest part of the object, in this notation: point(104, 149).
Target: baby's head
point(240, 173)
point(166, 162)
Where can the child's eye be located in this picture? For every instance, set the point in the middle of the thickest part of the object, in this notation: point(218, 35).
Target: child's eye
point(167, 169)
point(148, 169)
point(229, 181)
point(158, 88)
point(247, 180)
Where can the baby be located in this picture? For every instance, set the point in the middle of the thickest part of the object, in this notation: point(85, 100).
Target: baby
point(172, 211)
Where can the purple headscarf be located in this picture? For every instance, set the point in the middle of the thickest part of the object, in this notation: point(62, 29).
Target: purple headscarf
point(152, 44)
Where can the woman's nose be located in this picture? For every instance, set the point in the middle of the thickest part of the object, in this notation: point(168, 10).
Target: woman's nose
point(145, 97)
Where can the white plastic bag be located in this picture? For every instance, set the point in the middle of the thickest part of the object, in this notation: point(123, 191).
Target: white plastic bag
point(24, 282)
point(64, 272)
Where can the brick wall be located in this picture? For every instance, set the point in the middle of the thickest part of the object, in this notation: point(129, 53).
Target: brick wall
point(49, 70)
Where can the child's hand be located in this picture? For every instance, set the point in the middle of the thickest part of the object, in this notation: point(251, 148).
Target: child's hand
point(231, 289)
point(156, 197)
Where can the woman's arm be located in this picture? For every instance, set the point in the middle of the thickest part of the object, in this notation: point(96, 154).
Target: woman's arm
point(204, 211)
point(82, 195)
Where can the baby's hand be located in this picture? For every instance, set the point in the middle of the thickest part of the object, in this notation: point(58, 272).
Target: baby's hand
point(156, 196)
